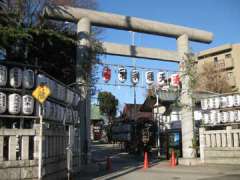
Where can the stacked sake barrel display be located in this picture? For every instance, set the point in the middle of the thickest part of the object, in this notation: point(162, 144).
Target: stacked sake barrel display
point(220, 110)
point(16, 85)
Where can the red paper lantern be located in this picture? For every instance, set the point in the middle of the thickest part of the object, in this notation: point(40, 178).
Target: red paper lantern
point(175, 80)
point(106, 74)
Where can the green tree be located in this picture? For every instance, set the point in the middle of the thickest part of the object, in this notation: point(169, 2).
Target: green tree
point(108, 104)
point(52, 49)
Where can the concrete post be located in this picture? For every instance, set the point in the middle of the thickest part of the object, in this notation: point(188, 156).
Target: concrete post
point(83, 30)
point(202, 143)
point(186, 100)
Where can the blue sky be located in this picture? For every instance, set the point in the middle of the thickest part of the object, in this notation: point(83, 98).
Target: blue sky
point(222, 17)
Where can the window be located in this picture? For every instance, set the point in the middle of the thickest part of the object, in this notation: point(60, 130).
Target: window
point(228, 56)
point(215, 59)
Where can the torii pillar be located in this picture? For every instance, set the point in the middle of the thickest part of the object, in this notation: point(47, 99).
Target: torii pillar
point(186, 100)
point(83, 31)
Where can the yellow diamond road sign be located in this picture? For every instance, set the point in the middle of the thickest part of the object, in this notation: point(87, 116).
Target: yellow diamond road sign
point(41, 93)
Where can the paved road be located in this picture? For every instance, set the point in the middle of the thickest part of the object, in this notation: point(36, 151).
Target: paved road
point(129, 167)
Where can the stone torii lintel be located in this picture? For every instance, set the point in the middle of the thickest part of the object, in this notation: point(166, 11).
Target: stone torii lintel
point(110, 20)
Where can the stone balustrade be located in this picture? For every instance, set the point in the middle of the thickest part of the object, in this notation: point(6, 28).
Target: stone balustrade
point(215, 144)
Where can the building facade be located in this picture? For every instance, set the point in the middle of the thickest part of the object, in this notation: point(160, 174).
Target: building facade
point(225, 58)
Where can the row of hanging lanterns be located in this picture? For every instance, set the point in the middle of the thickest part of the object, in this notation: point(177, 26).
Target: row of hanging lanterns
point(26, 79)
point(58, 91)
point(17, 77)
point(56, 112)
point(16, 104)
point(135, 76)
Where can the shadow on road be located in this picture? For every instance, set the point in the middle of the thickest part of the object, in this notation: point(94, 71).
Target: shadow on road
point(122, 163)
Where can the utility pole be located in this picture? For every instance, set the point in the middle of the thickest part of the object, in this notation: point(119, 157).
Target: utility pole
point(134, 65)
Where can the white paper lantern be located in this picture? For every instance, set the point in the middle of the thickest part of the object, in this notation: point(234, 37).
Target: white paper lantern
point(122, 74)
point(210, 103)
point(135, 76)
point(206, 118)
point(3, 102)
point(70, 96)
point(42, 79)
point(238, 116)
point(64, 93)
point(231, 116)
point(230, 101)
point(3, 75)
point(235, 115)
point(236, 100)
point(52, 111)
point(223, 101)
point(61, 92)
point(219, 119)
point(197, 115)
point(149, 76)
point(76, 99)
point(54, 117)
point(222, 117)
point(62, 114)
point(75, 117)
point(47, 109)
point(27, 104)
point(53, 88)
point(203, 104)
point(28, 79)
point(15, 77)
point(14, 104)
point(225, 117)
point(215, 117)
point(161, 78)
point(216, 102)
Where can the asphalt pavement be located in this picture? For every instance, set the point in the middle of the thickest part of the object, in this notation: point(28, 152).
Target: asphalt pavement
point(130, 167)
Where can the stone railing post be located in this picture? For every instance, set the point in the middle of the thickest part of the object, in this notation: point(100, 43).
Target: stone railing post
point(229, 136)
point(1, 147)
point(236, 139)
point(202, 143)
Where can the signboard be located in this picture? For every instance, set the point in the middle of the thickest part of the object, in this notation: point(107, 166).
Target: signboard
point(41, 93)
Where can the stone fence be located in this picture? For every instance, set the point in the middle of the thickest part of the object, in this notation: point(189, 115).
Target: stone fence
point(19, 151)
point(220, 146)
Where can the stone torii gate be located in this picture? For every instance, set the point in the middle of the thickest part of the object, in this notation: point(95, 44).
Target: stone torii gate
point(87, 18)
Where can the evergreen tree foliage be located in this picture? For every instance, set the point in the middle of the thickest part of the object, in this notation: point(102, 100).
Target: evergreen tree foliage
point(108, 104)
